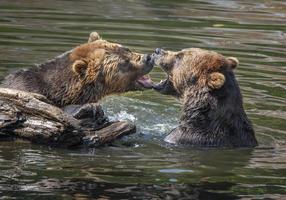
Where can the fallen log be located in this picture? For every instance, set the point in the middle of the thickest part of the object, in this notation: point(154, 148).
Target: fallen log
point(108, 134)
point(31, 116)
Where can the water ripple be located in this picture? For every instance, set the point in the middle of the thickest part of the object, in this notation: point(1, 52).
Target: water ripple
point(142, 165)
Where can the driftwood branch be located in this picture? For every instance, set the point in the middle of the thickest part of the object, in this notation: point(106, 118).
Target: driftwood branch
point(106, 135)
point(31, 116)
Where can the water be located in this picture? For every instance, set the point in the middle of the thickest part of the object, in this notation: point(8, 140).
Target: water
point(142, 166)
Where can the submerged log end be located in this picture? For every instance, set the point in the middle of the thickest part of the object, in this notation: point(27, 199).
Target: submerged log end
point(109, 133)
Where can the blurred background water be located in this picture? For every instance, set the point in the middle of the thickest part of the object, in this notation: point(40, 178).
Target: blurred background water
point(142, 166)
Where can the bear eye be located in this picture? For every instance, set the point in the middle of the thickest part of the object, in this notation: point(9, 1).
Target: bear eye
point(123, 65)
point(126, 49)
point(180, 55)
point(178, 58)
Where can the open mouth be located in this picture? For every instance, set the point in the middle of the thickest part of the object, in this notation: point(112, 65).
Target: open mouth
point(164, 86)
point(145, 81)
point(161, 85)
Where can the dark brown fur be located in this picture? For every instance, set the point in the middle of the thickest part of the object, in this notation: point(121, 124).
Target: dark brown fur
point(213, 113)
point(84, 74)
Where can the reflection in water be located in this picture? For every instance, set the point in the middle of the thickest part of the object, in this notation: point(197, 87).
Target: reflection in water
point(183, 174)
point(135, 191)
point(141, 166)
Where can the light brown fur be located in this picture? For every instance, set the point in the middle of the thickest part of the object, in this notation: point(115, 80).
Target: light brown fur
point(212, 114)
point(85, 74)
point(203, 64)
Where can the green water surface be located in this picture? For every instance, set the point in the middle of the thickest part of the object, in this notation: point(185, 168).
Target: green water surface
point(142, 166)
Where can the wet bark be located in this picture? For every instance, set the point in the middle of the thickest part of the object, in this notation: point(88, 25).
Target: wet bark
point(31, 116)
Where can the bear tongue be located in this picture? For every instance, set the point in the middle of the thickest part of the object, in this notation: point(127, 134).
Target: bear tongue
point(145, 81)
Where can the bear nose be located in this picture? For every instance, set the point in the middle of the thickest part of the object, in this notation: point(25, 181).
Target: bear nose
point(147, 58)
point(158, 51)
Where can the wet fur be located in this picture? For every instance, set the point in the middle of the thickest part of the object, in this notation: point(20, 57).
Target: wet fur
point(211, 116)
point(109, 68)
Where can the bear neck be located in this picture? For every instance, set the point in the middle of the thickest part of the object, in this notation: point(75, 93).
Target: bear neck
point(62, 86)
point(215, 119)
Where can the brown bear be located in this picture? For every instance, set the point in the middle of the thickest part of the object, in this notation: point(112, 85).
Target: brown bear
point(213, 113)
point(85, 74)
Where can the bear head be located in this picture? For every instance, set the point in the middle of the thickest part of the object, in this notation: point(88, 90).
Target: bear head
point(193, 68)
point(107, 68)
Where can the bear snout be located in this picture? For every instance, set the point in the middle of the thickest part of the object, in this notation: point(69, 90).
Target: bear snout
point(158, 56)
point(158, 51)
point(148, 61)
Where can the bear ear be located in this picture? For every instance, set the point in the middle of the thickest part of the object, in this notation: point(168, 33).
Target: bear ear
point(93, 37)
point(79, 67)
point(232, 62)
point(216, 80)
